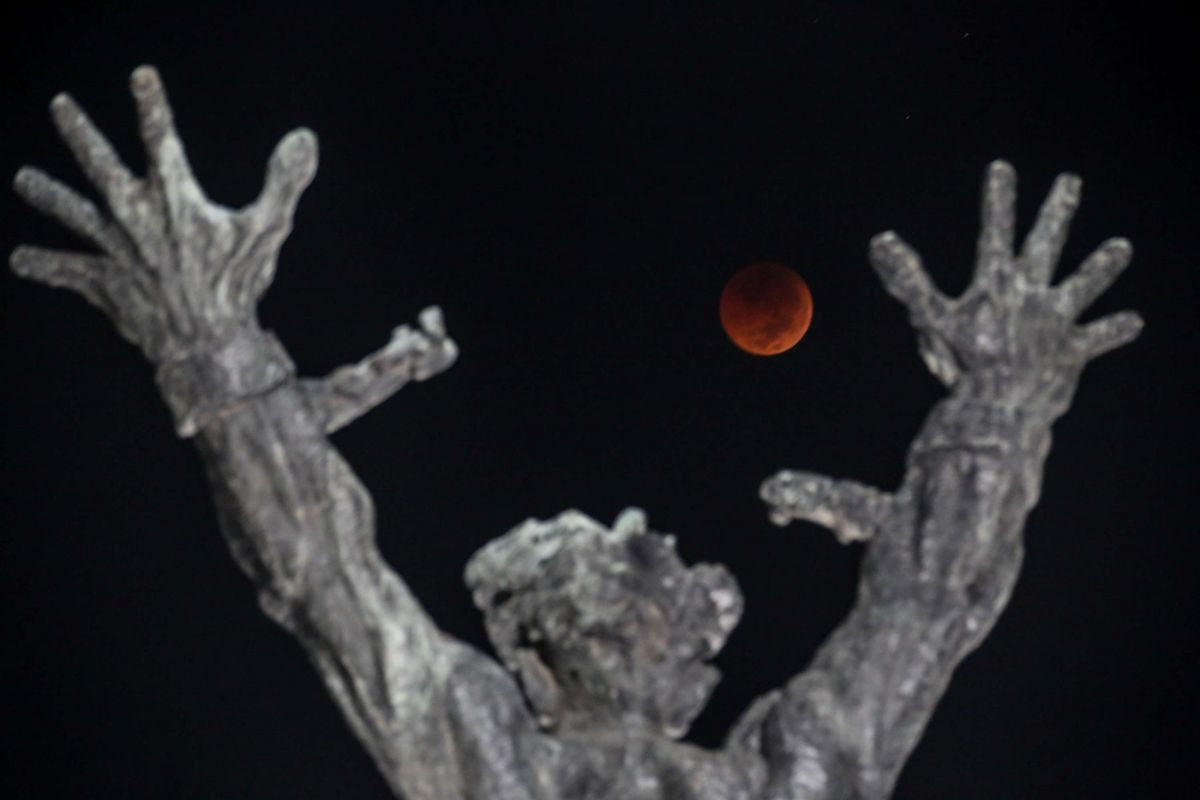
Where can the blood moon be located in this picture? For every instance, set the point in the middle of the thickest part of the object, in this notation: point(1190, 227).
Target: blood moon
point(766, 308)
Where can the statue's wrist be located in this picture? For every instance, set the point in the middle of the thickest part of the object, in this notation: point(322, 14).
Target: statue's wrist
point(1030, 389)
point(219, 373)
point(999, 411)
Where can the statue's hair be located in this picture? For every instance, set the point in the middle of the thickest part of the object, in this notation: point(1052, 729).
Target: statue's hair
point(547, 587)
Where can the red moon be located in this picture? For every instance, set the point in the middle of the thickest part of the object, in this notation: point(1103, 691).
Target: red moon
point(766, 308)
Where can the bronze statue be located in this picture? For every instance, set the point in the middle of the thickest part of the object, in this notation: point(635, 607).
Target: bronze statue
point(605, 633)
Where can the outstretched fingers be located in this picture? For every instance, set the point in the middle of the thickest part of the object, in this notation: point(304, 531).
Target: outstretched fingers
point(82, 272)
point(164, 151)
point(997, 222)
point(1109, 333)
point(905, 278)
point(62, 203)
point(290, 170)
point(1039, 254)
point(268, 220)
point(1098, 271)
point(91, 149)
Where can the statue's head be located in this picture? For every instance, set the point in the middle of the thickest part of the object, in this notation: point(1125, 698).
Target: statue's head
point(605, 628)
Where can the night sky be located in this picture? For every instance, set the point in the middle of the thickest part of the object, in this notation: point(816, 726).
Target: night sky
point(573, 186)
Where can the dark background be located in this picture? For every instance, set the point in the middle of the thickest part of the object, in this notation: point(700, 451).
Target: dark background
point(573, 185)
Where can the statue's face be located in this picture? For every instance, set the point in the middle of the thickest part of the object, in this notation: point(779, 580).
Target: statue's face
point(605, 628)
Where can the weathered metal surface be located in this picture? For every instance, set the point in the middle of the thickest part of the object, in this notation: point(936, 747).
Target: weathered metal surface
point(605, 633)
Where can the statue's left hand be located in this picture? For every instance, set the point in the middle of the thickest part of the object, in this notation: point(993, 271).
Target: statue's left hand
point(1011, 328)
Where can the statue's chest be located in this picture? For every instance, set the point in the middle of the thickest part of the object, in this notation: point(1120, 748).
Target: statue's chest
point(645, 770)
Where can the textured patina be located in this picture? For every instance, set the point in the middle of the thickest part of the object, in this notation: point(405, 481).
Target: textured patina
point(605, 633)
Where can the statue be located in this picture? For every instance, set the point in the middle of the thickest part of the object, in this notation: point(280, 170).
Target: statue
point(604, 633)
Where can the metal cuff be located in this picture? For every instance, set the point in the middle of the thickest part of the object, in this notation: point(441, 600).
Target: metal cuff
point(209, 380)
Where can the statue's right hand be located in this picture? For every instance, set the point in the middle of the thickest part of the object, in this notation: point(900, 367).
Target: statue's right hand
point(175, 271)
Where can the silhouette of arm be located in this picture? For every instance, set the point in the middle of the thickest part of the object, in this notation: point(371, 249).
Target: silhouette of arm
point(181, 277)
point(944, 550)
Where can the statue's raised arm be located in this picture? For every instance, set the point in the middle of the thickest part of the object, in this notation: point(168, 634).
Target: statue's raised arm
point(607, 634)
point(181, 277)
point(943, 550)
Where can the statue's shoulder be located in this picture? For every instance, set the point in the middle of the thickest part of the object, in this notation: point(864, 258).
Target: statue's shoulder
point(502, 754)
